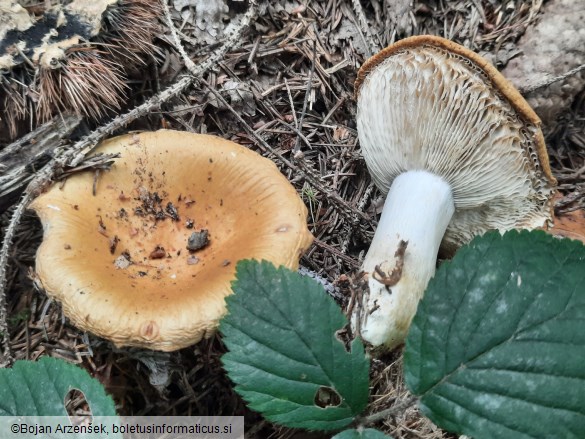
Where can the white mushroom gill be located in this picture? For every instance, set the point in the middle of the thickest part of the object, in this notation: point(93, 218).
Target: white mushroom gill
point(456, 157)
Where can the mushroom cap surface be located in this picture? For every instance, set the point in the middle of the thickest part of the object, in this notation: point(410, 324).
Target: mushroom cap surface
point(426, 103)
point(118, 261)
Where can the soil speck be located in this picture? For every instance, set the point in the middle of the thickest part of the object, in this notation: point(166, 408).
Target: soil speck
point(198, 240)
point(157, 253)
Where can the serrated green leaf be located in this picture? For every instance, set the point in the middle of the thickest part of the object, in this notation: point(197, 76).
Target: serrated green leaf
point(283, 354)
point(497, 347)
point(367, 433)
point(39, 389)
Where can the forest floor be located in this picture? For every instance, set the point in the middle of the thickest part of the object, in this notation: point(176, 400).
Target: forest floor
point(291, 82)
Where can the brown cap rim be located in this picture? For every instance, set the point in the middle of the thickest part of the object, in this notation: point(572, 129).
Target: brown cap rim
point(498, 80)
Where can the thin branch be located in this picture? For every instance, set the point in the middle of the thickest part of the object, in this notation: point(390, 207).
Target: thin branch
point(177, 41)
point(292, 104)
point(547, 82)
point(77, 153)
point(7, 358)
point(396, 409)
point(297, 147)
point(371, 43)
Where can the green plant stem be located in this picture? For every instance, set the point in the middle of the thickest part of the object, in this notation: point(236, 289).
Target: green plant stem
point(392, 411)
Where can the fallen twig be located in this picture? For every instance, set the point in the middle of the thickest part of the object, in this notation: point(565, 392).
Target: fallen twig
point(545, 83)
point(297, 146)
point(371, 43)
point(396, 409)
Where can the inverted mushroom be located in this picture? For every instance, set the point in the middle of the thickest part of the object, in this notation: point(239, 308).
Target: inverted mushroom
point(459, 152)
point(149, 259)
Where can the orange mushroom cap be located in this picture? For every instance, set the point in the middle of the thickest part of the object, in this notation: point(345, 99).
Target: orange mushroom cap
point(123, 262)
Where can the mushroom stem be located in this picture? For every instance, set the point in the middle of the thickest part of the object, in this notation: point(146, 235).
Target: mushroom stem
point(403, 255)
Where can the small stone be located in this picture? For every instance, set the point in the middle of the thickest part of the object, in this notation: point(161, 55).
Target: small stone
point(122, 262)
point(157, 253)
point(198, 240)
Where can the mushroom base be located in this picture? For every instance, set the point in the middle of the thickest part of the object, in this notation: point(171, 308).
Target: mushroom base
point(402, 256)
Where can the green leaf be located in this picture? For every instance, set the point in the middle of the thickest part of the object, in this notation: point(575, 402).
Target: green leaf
point(367, 433)
point(497, 347)
point(284, 356)
point(39, 389)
